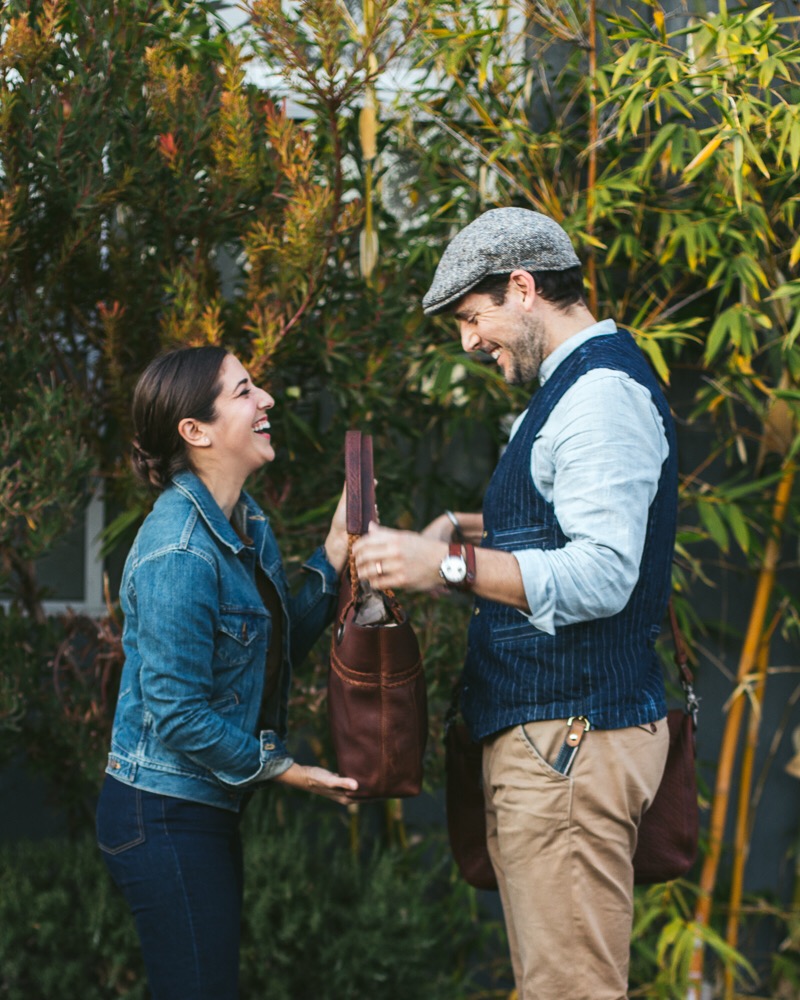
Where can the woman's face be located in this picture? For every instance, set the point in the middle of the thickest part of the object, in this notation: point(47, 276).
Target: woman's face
point(240, 433)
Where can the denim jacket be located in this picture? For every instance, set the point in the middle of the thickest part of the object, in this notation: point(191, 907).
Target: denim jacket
point(195, 639)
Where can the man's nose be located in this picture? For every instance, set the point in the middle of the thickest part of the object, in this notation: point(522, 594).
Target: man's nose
point(470, 340)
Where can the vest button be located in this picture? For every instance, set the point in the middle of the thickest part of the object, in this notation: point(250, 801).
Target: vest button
point(485, 534)
point(477, 611)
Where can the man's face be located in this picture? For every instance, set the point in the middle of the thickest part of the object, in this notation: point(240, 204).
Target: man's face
point(512, 335)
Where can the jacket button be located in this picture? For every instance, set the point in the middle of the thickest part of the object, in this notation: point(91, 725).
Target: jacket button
point(116, 765)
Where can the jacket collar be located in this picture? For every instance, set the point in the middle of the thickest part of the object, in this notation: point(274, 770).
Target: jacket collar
point(195, 490)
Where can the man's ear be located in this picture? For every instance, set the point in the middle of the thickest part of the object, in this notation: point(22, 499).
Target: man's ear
point(193, 433)
point(521, 282)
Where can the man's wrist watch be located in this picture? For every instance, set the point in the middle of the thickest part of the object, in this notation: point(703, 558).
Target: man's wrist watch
point(457, 569)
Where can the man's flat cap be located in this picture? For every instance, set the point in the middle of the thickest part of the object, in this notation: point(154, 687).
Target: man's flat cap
point(498, 242)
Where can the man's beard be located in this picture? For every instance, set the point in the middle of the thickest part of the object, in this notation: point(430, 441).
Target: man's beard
point(526, 355)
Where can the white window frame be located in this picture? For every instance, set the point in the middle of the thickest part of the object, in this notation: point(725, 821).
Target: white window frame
point(93, 602)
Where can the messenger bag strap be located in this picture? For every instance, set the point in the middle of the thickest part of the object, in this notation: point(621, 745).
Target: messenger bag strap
point(685, 675)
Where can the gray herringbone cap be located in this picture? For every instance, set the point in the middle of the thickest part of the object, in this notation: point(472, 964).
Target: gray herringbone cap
point(497, 242)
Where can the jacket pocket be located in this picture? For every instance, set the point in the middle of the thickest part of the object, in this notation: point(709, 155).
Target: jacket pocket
point(237, 633)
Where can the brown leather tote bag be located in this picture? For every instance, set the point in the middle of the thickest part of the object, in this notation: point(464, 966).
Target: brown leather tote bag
point(377, 698)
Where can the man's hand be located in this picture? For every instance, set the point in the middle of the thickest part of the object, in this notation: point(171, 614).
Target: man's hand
point(402, 560)
point(405, 560)
point(442, 527)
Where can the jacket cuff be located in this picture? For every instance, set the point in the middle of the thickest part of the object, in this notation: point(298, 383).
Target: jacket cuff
point(274, 755)
point(318, 563)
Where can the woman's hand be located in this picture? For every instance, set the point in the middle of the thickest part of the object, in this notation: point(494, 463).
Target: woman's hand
point(318, 781)
point(336, 542)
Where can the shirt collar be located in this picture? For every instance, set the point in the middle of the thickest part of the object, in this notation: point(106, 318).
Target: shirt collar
point(552, 361)
point(195, 490)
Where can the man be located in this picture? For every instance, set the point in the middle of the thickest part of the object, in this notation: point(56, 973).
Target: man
point(571, 579)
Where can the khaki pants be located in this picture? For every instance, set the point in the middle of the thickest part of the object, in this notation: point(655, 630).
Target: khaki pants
point(562, 848)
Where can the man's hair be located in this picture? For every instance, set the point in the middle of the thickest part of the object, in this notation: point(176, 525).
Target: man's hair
point(562, 288)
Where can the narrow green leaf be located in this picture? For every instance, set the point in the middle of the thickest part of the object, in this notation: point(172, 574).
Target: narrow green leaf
point(738, 165)
point(738, 526)
point(653, 350)
point(719, 332)
point(794, 144)
point(713, 523)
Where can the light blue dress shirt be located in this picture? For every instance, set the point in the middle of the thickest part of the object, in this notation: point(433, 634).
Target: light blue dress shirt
point(598, 460)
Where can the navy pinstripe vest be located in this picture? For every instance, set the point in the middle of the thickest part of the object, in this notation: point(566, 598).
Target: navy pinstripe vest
point(605, 669)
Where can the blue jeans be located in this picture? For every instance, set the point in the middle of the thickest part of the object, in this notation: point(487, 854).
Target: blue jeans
point(179, 866)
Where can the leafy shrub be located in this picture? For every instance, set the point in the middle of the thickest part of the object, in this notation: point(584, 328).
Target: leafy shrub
point(57, 698)
point(319, 923)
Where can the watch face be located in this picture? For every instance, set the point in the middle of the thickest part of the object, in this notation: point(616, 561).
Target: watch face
point(453, 569)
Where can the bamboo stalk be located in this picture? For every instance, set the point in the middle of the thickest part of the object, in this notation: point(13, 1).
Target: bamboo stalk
point(592, 175)
point(744, 813)
point(741, 849)
point(730, 738)
point(368, 128)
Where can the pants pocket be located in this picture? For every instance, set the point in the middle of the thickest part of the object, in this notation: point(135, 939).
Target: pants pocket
point(532, 735)
point(120, 825)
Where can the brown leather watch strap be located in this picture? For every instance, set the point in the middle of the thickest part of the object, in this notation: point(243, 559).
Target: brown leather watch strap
point(465, 551)
point(469, 557)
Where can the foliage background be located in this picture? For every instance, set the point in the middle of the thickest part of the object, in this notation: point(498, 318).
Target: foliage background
point(154, 190)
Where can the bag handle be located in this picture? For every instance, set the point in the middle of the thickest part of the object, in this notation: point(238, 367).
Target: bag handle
point(361, 509)
point(682, 663)
point(360, 479)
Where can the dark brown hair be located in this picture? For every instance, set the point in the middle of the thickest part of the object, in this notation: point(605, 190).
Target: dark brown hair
point(562, 288)
point(182, 383)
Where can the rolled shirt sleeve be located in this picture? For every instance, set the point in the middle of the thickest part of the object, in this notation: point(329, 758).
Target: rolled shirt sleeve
point(598, 459)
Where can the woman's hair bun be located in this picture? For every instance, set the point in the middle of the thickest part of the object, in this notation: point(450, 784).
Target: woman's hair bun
point(146, 468)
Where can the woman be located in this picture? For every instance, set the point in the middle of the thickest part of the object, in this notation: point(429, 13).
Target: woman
point(211, 632)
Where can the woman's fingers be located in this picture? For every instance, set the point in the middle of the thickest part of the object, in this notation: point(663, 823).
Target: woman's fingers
point(319, 781)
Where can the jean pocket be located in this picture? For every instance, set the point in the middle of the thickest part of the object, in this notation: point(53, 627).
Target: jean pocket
point(120, 824)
